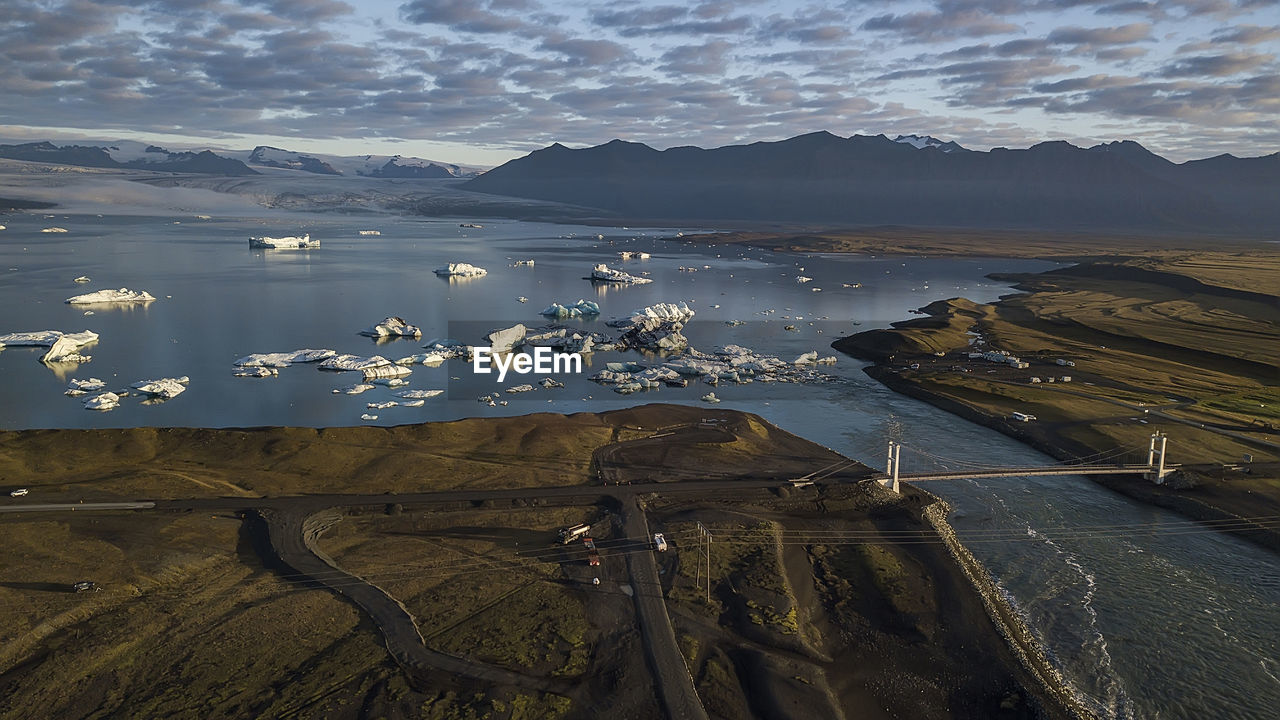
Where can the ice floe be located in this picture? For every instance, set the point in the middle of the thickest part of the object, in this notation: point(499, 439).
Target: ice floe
point(460, 270)
point(431, 359)
point(802, 279)
point(82, 387)
point(507, 339)
point(123, 295)
point(291, 242)
point(633, 254)
point(522, 263)
point(258, 372)
point(578, 309)
point(368, 417)
point(163, 388)
point(353, 389)
point(370, 232)
point(284, 359)
point(82, 279)
point(710, 398)
point(385, 372)
point(352, 363)
point(381, 405)
point(519, 389)
point(54, 230)
point(448, 348)
point(105, 401)
point(392, 327)
point(656, 327)
point(604, 273)
point(417, 394)
point(65, 349)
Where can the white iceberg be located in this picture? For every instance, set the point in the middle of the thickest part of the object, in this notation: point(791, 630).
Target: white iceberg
point(431, 359)
point(82, 279)
point(370, 232)
point(550, 383)
point(292, 242)
point(808, 358)
point(503, 341)
point(802, 279)
point(353, 389)
point(417, 394)
point(123, 295)
point(164, 387)
point(81, 387)
point(64, 349)
point(603, 273)
point(523, 263)
point(654, 315)
point(389, 381)
point(578, 309)
point(54, 230)
point(105, 401)
point(256, 372)
point(522, 299)
point(392, 327)
point(710, 398)
point(386, 371)
point(413, 403)
point(460, 270)
point(519, 389)
point(284, 359)
point(367, 416)
point(345, 363)
point(381, 405)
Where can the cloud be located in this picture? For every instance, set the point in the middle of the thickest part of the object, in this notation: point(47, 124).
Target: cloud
point(1217, 65)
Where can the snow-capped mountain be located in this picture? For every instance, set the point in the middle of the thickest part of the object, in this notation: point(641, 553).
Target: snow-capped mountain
point(129, 155)
point(374, 166)
point(267, 156)
point(921, 142)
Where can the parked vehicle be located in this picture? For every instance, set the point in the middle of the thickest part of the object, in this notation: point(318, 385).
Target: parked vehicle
point(659, 542)
point(19, 492)
point(569, 534)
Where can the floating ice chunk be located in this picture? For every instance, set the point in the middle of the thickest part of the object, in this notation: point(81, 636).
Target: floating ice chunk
point(448, 348)
point(386, 371)
point(81, 387)
point(370, 232)
point(82, 279)
point(381, 405)
point(256, 372)
point(105, 401)
point(475, 226)
point(519, 389)
point(460, 270)
point(505, 340)
point(291, 242)
point(550, 383)
point(734, 323)
point(431, 359)
point(389, 381)
point(578, 309)
point(164, 387)
point(353, 389)
point(652, 315)
point(522, 263)
point(633, 254)
point(123, 295)
point(417, 394)
point(828, 360)
point(413, 403)
point(284, 359)
point(343, 363)
point(392, 327)
point(710, 398)
point(54, 230)
point(64, 349)
point(815, 289)
point(1, 227)
point(603, 273)
point(808, 358)
point(802, 279)
point(368, 417)
point(522, 299)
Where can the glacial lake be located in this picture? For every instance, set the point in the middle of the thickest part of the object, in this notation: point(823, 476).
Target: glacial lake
point(1145, 615)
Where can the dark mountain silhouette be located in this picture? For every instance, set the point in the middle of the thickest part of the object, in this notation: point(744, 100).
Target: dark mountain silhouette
point(863, 180)
point(393, 169)
point(268, 156)
point(158, 159)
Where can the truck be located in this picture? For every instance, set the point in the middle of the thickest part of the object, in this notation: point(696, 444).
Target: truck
point(569, 534)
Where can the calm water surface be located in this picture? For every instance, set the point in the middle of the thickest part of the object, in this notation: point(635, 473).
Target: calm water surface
point(1143, 624)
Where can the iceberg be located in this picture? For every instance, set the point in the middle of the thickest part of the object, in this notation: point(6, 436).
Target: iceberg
point(519, 389)
point(164, 387)
point(381, 405)
point(417, 394)
point(603, 273)
point(710, 398)
point(447, 348)
point(392, 327)
point(54, 230)
point(284, 359)
point(431, 359)
point(370, 232)
point(522, 299)
point(808, 358)
point(344, 363)
point(64, 349)
point(802, 279)
point(105, 401)
point(389, 381)
point(367, 416)
point(383, 372)
point(81, 387)
point(82, 279)
point(123, 295)
point(353, 389)
point(550, 383)
point(503, 341)
point(292, 242)
point(460, 270)
point(578, 309)
point(256, 372)
point(413, 403)
point(523, 263)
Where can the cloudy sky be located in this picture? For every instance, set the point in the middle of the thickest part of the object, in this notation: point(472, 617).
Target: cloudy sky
point(482, 81)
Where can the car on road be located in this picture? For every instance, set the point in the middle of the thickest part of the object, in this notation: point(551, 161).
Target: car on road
point(85, 586)
point(19, 492)
point(594, 560)
point(590, 543)
point(659, 542)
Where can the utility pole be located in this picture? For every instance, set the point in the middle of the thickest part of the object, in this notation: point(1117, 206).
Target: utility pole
point(707, 538)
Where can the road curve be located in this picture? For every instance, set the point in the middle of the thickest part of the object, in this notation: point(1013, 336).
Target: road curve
point(292, 537)
point(675, 685)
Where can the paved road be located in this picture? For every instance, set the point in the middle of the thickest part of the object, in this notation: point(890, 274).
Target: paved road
point(292, 538)
point(77, 507)
point(679, 696)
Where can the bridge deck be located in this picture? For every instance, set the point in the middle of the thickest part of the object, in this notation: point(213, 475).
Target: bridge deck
point(1025, 472)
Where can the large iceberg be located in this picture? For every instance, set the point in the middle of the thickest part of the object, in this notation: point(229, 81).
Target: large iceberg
point(123, 295)
point(65, 349)
point(578, 309)
point(417, 394)
point(603, 273)
point(105, 401)
point(292, 242)
point(162, 388)
point(284, 359)
point(447, 348)
point(386, 371)
point(81, 387)
point(392, 327)
point(460, 270)
point(506, 340)
point(656, 327)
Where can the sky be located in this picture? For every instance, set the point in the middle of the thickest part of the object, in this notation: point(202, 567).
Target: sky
point(482, 81)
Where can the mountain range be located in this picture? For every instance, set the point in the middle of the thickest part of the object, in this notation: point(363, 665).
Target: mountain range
point(821, 178)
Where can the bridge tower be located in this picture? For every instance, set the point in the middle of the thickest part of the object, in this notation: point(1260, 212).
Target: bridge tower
point(891, 467)
point(1156, 458)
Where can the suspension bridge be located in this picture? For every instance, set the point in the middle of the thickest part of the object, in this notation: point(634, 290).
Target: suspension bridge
point(1111, 462)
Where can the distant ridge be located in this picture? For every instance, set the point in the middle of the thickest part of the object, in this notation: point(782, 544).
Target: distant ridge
point(872, 180)
point(152, 158)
